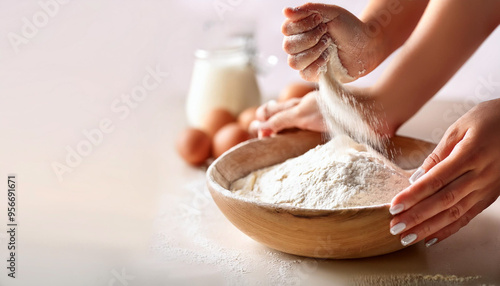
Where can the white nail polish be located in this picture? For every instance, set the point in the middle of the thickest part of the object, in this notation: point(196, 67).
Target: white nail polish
point(396, 209)
point(419, 173)
point(272, 103)
point(398, 228)
point(431, 242)
point(405, 241)
point(254, 125)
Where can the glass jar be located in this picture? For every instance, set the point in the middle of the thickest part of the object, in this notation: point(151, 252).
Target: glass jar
point(222, 78)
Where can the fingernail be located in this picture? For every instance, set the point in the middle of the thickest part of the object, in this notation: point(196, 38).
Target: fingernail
point(419, 173)
point(394, 210)
point(431, 242)
point(326, 54)
point(326, 39)
point(254, 125)
point(398, 228)
point(272, 103)
point(408, 239)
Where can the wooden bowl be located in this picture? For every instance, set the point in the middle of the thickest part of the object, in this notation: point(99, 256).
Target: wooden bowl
point(336, 233)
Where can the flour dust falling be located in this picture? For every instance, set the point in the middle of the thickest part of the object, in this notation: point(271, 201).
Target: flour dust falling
point(345, 113)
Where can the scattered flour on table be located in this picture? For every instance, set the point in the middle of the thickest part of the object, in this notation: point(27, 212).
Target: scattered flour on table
point(415, 280)
point(193, 241)
point(338, 174)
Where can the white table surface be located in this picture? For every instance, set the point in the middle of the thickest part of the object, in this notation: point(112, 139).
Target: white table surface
point(134, 209)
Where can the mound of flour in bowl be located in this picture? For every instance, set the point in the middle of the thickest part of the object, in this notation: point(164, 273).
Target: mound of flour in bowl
point(338, 174)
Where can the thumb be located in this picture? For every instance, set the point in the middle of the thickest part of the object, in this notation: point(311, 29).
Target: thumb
point(441, 152)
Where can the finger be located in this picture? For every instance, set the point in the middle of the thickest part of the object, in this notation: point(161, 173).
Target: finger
point(280, 121)
point(265, 111)
point(297, 13)
point(280, 106)
point(444, 199)
point(439, 221)
point(351, 44)
point(297, 27)
point(329, 12)
point(311, 72)
point(442, 174)
point(261, 114)
point(253, 129)
point(302, 60)
point(443, 149)
point(453, 228)
point(298, 43)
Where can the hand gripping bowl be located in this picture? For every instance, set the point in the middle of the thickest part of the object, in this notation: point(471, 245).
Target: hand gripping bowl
point(336, 233)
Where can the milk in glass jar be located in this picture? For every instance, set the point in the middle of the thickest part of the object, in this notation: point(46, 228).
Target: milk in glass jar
point(222, 78)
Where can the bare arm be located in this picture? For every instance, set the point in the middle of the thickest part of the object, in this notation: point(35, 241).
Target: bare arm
point(459, 179)
point(447, 35)
point(394, 20)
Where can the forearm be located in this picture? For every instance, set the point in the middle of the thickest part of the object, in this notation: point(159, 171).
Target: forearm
point(448, 34)
point(392, 21)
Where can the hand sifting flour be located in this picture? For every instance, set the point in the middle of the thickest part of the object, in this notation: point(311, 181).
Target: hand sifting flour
point(338, 174)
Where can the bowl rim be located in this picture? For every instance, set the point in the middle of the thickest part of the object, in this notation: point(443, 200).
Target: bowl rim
point(213, 185)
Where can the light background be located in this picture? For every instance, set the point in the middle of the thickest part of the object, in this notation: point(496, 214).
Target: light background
point(108, 42)
point(64, 80)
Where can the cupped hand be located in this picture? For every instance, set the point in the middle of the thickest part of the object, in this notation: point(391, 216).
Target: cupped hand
point(303, 113)
point(312, 28)
point(455, 183)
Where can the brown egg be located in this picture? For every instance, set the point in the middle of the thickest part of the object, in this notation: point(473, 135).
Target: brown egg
point(227, 137)
point(216, 119)
point(247, 116)
point(194, 146)
point(296, 90)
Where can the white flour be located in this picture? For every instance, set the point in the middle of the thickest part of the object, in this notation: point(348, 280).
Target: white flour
point(344, 114)
point(414, 279)
point(195, 242)
point(338, 174)
point(335, 66)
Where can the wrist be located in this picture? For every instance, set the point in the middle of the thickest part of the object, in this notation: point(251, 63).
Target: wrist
point(377, 49)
